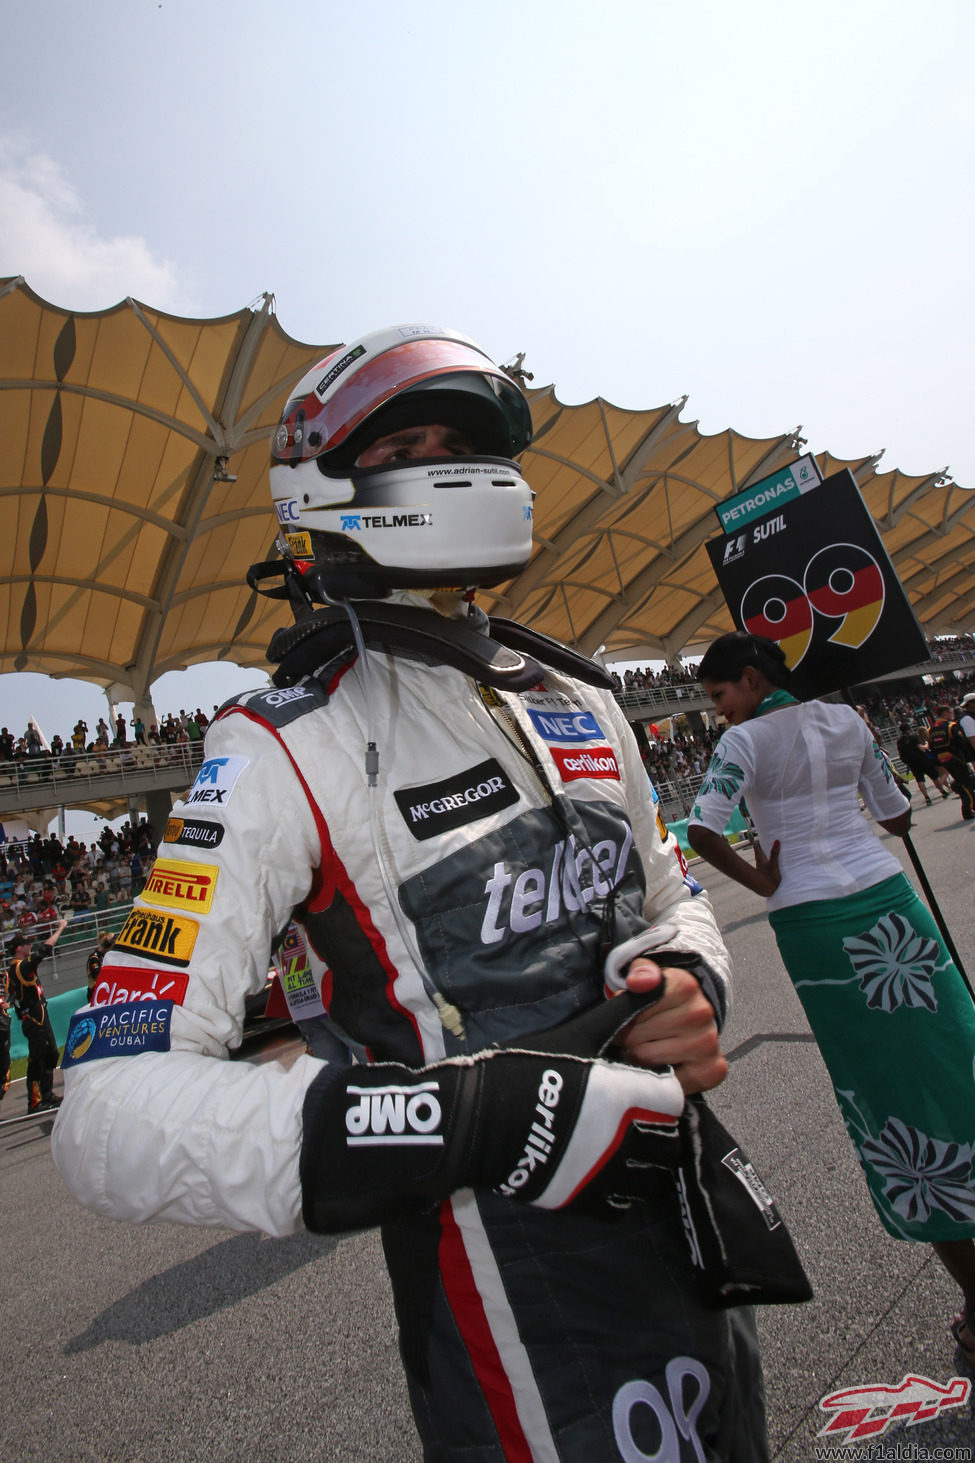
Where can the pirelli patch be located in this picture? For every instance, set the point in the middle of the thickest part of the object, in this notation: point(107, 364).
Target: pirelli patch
point(177, 885)
point(168, 938)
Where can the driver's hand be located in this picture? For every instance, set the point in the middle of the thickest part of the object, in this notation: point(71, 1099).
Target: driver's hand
point(680, 1031)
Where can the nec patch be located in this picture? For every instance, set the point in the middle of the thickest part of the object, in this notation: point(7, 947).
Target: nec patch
point(215, 780)
point(157, 936)
point(194, 831)
point(119, 984)
point(566, 726)
point(178, 885)
point(593, 762)
point(118, 1031)
point(438, 807)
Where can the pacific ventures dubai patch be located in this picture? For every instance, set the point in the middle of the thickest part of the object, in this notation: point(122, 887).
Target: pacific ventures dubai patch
point(118, 1031)
point(167, 938)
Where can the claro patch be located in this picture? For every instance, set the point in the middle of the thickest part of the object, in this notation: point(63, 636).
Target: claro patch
point(437, 807)
point(118, 985)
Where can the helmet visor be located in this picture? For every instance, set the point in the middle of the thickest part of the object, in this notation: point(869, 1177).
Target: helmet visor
point(352, 388)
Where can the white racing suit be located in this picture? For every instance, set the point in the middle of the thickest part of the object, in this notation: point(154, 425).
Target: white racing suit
point(487, 851)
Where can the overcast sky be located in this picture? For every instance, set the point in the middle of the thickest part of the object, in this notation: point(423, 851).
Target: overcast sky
point(767, 206)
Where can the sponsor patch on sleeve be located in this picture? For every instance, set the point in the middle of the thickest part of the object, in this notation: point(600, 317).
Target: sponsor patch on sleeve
point(177, 885)
point(194, 831)
point(593, 762)
point(168, 938)
point(120, 983)
point(437, 807)
point(118, 1031)
point(215, 781)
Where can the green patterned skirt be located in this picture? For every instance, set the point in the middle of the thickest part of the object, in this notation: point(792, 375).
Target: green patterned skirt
point(896, 1027)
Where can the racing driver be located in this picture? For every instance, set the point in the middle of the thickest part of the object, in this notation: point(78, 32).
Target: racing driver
point(453, 812)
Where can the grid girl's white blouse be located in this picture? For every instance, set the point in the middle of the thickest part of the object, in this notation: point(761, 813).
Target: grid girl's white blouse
point(801, 770)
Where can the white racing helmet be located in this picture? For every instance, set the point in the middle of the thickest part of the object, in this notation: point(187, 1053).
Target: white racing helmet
point(357, 532)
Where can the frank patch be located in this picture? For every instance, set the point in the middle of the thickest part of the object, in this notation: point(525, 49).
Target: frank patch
point(157, 936)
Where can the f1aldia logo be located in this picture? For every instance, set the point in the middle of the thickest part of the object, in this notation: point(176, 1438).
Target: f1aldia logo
point(394, 1114)
point(867, 1412)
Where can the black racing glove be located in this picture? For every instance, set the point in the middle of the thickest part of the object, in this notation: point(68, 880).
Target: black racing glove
point(551, 1130)
point(740, 1247)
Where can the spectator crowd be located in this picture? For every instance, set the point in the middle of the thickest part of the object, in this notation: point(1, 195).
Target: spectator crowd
point(187, 727)
point(645, 679)
point(43, 880)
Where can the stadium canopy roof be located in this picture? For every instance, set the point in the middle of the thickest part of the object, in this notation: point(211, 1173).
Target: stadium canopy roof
point(133, 497)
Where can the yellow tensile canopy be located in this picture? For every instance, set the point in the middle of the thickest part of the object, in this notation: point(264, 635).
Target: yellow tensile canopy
point(133, 498)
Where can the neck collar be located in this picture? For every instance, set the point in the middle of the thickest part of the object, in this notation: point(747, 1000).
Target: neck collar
point(774, 701)
point(499, 652)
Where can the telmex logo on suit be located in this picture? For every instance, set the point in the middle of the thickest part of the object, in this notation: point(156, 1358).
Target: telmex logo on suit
point(215, 780)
